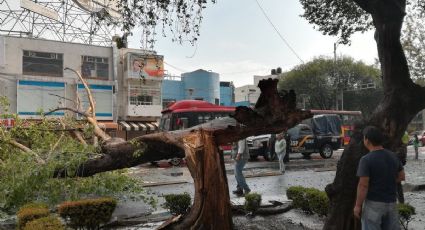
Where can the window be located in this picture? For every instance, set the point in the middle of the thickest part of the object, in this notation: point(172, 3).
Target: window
point(43, 64)
point(144, 96)
point(95, 67)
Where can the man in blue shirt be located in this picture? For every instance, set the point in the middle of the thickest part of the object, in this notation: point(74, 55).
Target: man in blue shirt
point(379, 172)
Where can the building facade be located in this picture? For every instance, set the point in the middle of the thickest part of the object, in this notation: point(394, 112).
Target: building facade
point(125, 83)
point(227, 93)
point(197, 85)
point(247, 95)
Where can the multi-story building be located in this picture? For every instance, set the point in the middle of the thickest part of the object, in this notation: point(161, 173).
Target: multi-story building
point(227, 93)
point(125, 83)
point(197, 85)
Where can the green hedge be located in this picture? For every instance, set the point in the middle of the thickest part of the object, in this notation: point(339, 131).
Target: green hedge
point(89, 213)
point(252, 202)
point(30, 212)
point(45, 223)
point(177, 204)
point(310, 200)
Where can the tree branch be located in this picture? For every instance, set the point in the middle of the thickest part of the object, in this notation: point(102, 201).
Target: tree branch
point(273, 113)
point(27, 150)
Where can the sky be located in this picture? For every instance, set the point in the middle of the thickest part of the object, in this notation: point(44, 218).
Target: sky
point(238, 42)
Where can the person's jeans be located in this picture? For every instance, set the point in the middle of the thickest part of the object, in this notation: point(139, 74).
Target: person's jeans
point(240, 179)
point(281, 156)
point(379, 216)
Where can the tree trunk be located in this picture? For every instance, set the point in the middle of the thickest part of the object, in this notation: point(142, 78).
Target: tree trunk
point(400, 104)
point(211, 208)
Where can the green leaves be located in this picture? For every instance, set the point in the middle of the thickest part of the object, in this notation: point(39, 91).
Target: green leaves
point(318, 83)
point(337, 18)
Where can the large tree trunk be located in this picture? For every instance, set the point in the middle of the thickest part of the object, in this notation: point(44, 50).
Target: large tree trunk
point(211, 208)
point(400, 104)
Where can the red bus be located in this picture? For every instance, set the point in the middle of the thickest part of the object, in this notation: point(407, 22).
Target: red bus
point(188, 113)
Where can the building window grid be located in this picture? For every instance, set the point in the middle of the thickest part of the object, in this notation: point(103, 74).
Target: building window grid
point(42, 63)
point(144, 96)
point(99, 65)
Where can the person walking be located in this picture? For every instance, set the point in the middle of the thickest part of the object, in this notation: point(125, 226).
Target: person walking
point(280, 148)
point(378, 172)
point(416, 146)
point(241, 158)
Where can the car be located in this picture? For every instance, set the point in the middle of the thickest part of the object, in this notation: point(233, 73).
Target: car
point(258, 146)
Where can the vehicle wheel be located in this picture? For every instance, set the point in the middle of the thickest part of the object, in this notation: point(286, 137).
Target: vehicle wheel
point(306, 155)
point(175, 161)
point(326, 151)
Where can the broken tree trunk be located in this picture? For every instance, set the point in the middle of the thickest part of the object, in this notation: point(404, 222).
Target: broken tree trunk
point(273, 113)
point(402, 101)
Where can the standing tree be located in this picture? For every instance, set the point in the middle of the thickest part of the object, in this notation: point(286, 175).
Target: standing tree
point(400, 101)
point(321, 81)
point(413, 40)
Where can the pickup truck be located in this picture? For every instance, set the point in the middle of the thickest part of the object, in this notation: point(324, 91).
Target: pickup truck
point(321, 134)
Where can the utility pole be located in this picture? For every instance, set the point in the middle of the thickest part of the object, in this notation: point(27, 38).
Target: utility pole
point(338, 84)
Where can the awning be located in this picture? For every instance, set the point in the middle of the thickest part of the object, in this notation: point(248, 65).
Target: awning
point(138, 126)
point(107, 125)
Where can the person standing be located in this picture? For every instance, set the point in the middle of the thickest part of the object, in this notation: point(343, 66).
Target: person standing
point(241, 158)
point(379, 171)
point(416, 146)
point(280, 148)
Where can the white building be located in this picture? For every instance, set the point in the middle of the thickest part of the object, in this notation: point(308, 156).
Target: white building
point(125, 83)
point(249, 94)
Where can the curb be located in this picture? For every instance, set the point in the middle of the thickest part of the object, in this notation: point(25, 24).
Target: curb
point(407, 187)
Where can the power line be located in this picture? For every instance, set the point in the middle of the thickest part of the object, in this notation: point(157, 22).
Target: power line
point(176, 68)
point(277, 31)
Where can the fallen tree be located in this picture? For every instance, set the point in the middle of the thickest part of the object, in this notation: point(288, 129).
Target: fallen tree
point(273, 113)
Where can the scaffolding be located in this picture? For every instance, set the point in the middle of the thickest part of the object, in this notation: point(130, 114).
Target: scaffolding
point(62, 20)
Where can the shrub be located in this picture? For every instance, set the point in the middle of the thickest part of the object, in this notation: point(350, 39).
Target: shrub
point(310, 200)
point(177, 204)
point(405, 212)
point(318, 201)
point(31, 212)
point(45, 223)
point(89, 213)
point(252, 202)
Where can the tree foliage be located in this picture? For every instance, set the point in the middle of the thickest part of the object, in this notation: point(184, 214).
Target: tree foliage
point(24, 179)
point(320, 81)
point(413, 40)
point(336, 18)
point(181, 19)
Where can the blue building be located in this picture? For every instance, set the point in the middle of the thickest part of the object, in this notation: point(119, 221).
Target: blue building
point(227, 93)
point(197, 85)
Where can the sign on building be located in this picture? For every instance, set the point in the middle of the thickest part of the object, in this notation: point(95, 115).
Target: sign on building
point(7, 122)
point(147, 66)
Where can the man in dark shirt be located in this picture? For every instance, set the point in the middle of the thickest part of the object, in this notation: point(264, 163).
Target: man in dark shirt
point(378, 172)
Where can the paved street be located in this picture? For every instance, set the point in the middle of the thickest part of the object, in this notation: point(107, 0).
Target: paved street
point(263, 177)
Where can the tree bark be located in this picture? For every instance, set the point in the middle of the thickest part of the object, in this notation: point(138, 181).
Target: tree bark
point(401, 102)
